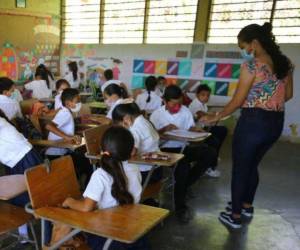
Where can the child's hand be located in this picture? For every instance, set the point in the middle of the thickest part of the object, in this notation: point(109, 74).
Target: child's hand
point(211, 118)
point(77, 139)
point(169, 127)
point(196, 129)
point(66, 203)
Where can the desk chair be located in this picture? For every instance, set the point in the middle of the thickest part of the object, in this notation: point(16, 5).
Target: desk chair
point(51, 183)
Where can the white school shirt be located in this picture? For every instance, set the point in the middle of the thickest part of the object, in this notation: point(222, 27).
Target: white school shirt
point(39, 89)
point(16, 95)
point(73, 83)
point(196, 106)
point(110, 111)
point(64, 122)
point(99, 187)
point(13, 145)
point(10, 107)
point(107, 83)
point(155, 101)
point(146, 139)
point(182, 120)
point(57, 101)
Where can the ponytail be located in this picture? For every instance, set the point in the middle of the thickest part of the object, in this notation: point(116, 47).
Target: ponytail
point(116, 151)
point(117, 90)
point(150, 84)
point(264, 35)
point(119, 187)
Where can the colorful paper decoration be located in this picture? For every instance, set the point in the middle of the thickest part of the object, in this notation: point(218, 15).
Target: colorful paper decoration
point(137, 82)
point(171, 81)
point(210, 70)
point(224, 70)
point(221, 88)
point(161, 67)
point(232, 88)
point(235, 71)
point(149, 67)
point(185, 68)
point(8, 62)
point(173, 68)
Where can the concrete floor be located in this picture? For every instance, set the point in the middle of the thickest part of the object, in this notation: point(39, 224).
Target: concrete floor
point(276, 225)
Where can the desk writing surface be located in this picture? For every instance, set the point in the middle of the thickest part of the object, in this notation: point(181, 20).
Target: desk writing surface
point(123, 223)
point(182, 139)
point(100, 105)
point(174, 158)
point(11, 186)
point(57, 144)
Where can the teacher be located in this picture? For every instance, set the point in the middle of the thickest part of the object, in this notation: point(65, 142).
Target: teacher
point(265, 84)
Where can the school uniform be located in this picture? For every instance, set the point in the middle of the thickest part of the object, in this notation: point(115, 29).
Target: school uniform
point(70, 79)
point(57, 101)
point(154, 103)
point(10, 107)
point(16, 95)
point(99, 190)
point(146, 140)
point(39, 89)
point(219, 133)
point(110, 111)
point(109, 82)
point(202, 154)
point(16, 154)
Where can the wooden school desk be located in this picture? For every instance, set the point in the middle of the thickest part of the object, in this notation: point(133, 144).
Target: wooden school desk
point(123, 223)
point(58, 144)
point(97, 105)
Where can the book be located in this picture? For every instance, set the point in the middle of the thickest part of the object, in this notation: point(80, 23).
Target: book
point(187, 134)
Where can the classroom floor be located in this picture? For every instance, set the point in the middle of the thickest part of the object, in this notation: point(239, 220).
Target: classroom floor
point(276, 225)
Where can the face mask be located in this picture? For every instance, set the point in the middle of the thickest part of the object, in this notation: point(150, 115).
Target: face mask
point(175, 109)
point(60, 91)
point(77, 108)
point(246, 55)
point(14, 95)
point(109, 103)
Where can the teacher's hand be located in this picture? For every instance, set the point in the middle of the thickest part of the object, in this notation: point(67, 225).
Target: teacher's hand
point(210, 118)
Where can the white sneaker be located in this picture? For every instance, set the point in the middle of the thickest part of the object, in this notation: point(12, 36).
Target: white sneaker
point(213, 173)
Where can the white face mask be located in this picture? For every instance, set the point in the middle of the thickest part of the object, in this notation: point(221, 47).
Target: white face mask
point(77, 108)
point(109, 103)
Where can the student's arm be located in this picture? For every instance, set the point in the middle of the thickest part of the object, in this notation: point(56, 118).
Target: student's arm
point(245, 83)
point(51, 126)
point(289, 88)
point(167, 128)
point(200, 114)
point(83, 205)
point(196, 129)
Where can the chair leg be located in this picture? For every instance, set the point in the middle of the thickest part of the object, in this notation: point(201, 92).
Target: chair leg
point(33, 235)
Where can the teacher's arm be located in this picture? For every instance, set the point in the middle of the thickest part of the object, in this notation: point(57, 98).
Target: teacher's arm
point(245, 82)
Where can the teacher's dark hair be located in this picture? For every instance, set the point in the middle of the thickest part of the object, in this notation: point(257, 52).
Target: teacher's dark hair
point(263, 34)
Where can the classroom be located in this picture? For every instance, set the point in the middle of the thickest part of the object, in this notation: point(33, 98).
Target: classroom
point(150, 124)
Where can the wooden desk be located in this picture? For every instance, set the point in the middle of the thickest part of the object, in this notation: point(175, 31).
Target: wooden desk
point(174, 158)
point(11, 186)
point(45, 100)
point(57, 144)
point(123, 223)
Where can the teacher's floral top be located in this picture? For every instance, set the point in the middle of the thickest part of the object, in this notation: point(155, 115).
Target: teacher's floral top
point(267, 92)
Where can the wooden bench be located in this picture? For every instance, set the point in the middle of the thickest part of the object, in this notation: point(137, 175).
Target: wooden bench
point(49, 186)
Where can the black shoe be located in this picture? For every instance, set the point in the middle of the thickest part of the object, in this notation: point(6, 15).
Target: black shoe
point(183, 215)
point(228, 220)
point(246, 212)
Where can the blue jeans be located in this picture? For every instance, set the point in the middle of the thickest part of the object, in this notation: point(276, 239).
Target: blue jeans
point(255, 133)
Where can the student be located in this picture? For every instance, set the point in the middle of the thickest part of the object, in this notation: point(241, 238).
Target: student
point(109, 79)
point(62, 127)
point(10, 107)
point(161, 85)
point(199, 108)
point(72, 77)
point(60, 86)
point(173, 115)
point(39, 86)
point(16, 95)
point(113, 95)
point(149, 100)
point(114, 183)
point(48, 76)
point(146, 138)
point(17, 155)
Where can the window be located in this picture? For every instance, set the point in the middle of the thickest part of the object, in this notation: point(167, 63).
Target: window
point(229, 16)
point(123, 21)
point(170, 21)
point(286, 21)
point(81, 21)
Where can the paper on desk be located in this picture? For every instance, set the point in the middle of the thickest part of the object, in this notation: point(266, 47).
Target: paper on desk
point(187, 134)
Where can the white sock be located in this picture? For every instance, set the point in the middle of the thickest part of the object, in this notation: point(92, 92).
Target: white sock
point(23, 230)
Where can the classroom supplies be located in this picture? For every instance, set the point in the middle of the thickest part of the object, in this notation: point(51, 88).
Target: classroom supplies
point(187, 134)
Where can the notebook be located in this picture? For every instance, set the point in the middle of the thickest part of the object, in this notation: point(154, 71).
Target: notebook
point(187, 134)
